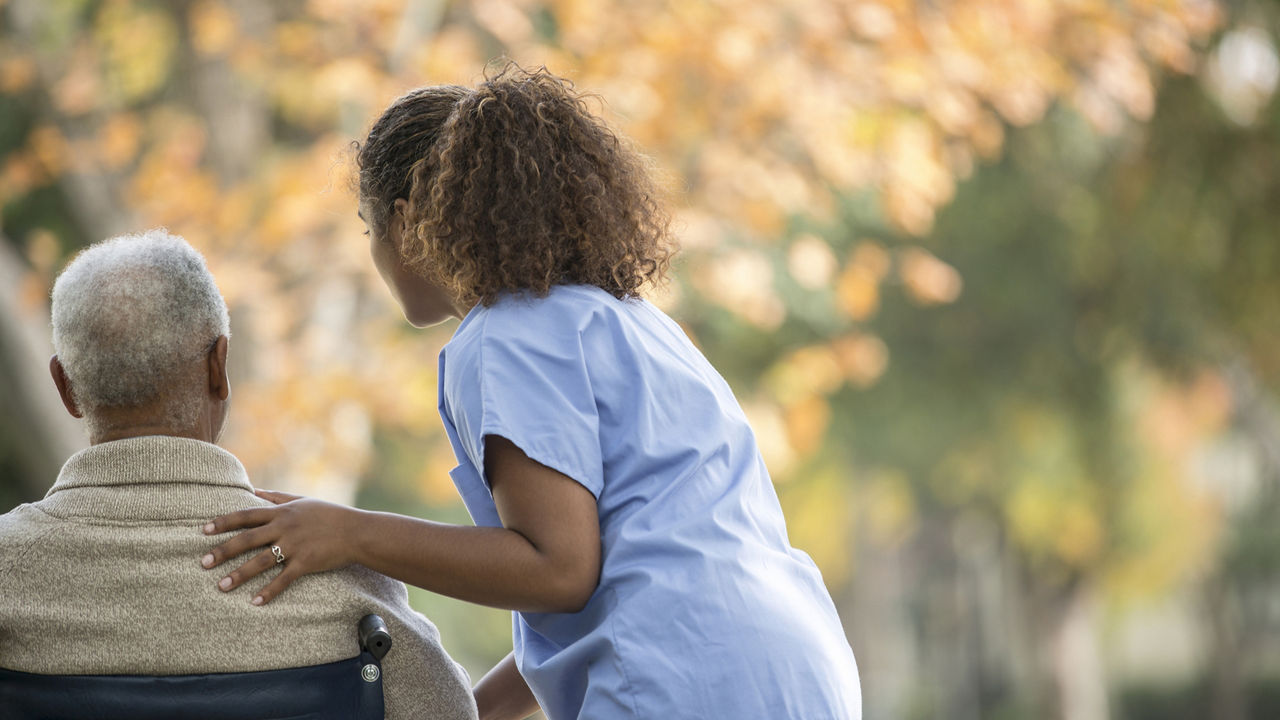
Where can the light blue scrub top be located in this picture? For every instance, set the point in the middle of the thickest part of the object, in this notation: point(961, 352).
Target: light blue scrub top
point(704, 610)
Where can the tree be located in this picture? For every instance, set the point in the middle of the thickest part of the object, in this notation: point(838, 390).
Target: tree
point(888, 323)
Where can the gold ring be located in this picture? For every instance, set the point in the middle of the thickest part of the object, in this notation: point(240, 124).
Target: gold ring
point(275, 550)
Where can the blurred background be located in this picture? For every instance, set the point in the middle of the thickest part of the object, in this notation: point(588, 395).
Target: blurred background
point(996, 281)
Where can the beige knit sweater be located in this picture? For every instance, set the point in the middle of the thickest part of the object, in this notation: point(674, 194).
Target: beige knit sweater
point(103, 576)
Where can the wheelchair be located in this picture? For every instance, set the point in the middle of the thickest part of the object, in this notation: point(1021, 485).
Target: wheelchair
point(348, 689)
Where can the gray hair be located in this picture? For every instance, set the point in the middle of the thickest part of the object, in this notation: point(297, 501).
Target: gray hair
point(131, 315)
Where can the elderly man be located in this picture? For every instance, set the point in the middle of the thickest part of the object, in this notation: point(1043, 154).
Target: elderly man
point(103, 575)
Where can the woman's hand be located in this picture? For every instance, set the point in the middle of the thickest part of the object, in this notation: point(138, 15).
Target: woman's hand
point(312, 536)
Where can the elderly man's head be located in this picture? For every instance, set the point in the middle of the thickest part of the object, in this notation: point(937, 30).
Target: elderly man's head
point(140, 332)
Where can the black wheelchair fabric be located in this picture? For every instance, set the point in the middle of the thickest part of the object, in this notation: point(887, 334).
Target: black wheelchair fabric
point(335, 691)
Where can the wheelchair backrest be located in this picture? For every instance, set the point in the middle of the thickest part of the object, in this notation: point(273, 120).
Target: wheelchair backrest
point(348, 689)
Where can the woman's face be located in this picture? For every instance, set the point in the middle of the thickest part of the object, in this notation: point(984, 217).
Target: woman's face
point(424, 303)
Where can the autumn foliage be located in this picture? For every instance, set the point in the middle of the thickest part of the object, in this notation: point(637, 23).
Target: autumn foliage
point(810, 147)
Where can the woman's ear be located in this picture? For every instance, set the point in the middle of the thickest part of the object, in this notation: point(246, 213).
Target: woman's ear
point(64, 387)
point(398, 223)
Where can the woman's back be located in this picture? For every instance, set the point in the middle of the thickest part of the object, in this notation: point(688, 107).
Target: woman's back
point(703, 608)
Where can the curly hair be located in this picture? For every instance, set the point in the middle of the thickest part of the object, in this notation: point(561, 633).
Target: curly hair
point(520, 188)
point(398, 143)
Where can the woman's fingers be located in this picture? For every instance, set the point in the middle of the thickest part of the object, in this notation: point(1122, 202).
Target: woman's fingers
point(313, 526)
point(242, 543)
point(277, 586)
point(276, 496)
point(237, 520)
point(256, 565)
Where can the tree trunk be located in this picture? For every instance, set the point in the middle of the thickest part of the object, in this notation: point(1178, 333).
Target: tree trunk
point(1074, 656)
point(876, 610)
point(1227, 693)
point(37, 429)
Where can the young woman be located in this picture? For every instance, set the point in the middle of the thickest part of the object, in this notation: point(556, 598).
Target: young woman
point(622, 508)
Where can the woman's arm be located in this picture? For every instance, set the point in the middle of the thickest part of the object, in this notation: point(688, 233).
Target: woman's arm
point(502, 693)
point(545, 558)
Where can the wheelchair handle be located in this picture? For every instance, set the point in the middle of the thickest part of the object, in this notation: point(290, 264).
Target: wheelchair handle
point(374, 637)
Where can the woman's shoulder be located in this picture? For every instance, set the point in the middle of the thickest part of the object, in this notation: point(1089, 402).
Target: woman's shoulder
point(566, 311)
point(560, 301)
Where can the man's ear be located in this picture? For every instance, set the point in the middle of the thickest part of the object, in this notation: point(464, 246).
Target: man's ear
point(219, 384)
point(64, 387)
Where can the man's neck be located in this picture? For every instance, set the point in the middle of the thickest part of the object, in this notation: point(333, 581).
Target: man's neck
point(143, 430)
point(120, 423)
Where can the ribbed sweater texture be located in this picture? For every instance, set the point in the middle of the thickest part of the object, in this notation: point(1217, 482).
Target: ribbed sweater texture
point(103, 576)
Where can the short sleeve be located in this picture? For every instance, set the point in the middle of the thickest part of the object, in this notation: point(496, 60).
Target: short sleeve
point(534, 390)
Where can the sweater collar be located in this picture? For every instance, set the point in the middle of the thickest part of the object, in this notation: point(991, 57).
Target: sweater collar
point(153, 459)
